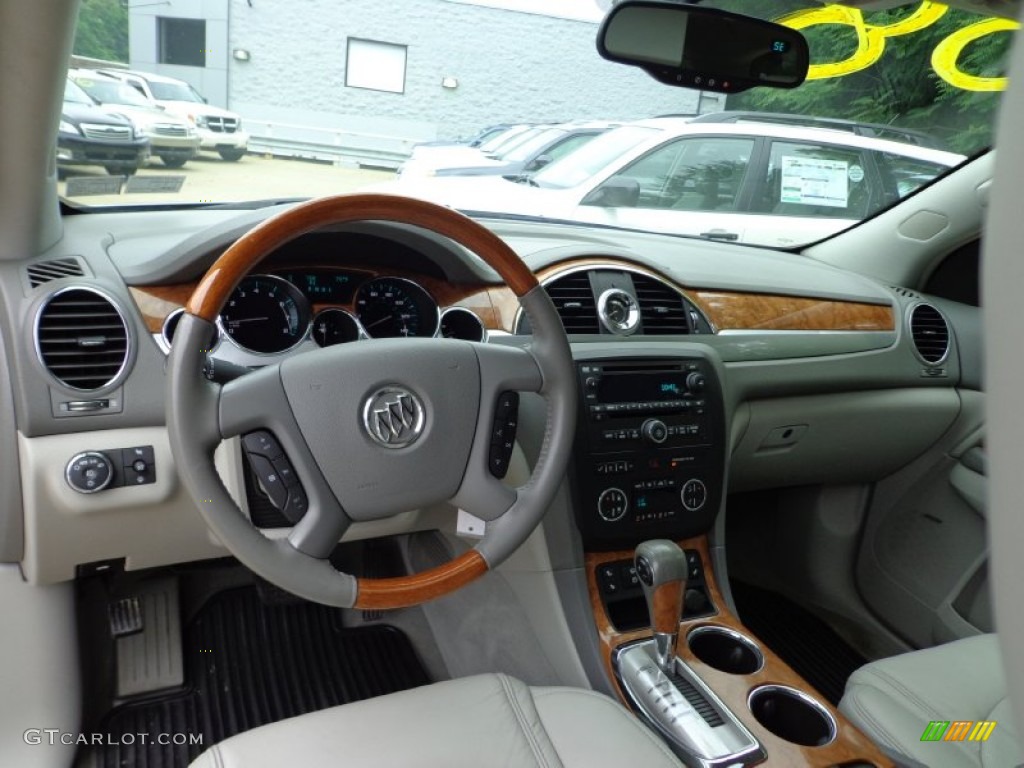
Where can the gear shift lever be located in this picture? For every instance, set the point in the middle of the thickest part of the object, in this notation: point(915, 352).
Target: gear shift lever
point(661, 568)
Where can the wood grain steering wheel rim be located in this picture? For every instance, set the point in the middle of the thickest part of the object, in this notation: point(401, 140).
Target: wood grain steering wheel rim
point(239, 259)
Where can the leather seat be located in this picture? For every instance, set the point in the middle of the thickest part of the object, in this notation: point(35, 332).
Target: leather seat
point(893, 701)
point(486, 720)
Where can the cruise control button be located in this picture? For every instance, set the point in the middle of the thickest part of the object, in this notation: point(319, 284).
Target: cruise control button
point(297, 504)
point(284, 469)
point(262, 443)
point(269, 479)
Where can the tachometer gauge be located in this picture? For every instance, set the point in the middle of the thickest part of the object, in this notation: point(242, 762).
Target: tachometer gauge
point(266, 314)
point(392, 306)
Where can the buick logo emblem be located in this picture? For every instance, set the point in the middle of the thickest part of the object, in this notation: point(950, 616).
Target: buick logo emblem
point(393, 417)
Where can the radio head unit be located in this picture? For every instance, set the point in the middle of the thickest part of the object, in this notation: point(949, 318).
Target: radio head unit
point(650, 453)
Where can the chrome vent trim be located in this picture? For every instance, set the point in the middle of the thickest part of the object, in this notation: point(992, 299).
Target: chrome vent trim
point(663, 309)
point(930, 333)
point(81, 339)
point(574, 301)
point(56, 269)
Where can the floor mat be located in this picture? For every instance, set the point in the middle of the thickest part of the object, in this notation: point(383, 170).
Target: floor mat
point(248, 664)
point(804, 641)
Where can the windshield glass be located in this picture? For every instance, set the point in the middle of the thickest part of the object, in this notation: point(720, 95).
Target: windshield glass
point(75, 95)
point(582, 164)
point(894, 99)
point(112, 92)
point(174, 92)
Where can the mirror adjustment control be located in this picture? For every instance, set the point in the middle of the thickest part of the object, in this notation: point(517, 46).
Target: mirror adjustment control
point(89, 472)
point(612, 504)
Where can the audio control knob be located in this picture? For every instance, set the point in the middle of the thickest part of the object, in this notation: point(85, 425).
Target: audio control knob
point(612, 504)
point(654, 430)
point(696, 382)
point(89, 472)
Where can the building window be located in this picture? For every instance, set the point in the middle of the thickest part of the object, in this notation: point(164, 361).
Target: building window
point(375, 65)
point(182, 41)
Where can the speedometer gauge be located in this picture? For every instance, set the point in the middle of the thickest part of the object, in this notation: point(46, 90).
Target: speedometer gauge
point(392, 306)
point(266, 314)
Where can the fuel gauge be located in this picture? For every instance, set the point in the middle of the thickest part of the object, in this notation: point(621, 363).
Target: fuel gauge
point(335, 326)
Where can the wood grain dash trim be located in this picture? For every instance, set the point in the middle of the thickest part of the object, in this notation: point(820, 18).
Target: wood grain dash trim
point(762, 312)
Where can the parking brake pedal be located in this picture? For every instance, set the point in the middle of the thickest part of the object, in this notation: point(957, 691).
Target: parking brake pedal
point(149, 657)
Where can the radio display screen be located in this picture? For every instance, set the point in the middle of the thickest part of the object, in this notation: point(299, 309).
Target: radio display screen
point(661, 500)
point(626, 388)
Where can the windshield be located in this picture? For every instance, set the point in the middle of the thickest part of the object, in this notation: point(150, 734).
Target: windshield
point(174, 92)
point(578, 166)
point(894, 100)
point(112, 92)
point(75, 95)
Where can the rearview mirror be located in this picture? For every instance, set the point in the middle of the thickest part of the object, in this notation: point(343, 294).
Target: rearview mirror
point(705, 48)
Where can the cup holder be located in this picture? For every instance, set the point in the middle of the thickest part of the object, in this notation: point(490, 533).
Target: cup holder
point(792, 715)
point(725, 650)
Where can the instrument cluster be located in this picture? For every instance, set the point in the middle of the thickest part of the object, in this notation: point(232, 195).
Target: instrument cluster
point(273, 313)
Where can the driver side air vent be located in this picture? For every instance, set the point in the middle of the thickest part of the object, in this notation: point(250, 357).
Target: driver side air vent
point(930, 333)
point(82, 339)
point(662, 310)
point(45, 271)
point(574, 300)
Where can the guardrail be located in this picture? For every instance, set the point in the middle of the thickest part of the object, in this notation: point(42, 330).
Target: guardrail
point(343, 147)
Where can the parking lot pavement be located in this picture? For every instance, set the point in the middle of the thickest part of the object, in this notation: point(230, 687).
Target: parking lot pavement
point(208, 179)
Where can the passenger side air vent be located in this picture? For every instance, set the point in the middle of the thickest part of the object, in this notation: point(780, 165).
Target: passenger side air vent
point(574, 301)
point(930, 333)
point(82, 338)
point(45, 271)
point(662, 309)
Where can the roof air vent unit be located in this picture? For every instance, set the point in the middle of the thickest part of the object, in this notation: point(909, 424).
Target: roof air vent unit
point(930, 333)
point(82, 339)
point(45, 271)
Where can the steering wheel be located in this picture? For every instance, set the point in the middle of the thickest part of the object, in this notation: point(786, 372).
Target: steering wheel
point(372, 429)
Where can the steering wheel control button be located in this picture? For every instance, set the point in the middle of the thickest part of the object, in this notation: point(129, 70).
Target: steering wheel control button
point(612, 505)
point(393, 417)
point(262, 443)
point(503, 433)
point(693, 494)
point(297, 504)
point(285, 471)
point(89, 472)
point(269, 479)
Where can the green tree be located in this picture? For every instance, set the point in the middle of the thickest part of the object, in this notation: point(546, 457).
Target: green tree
point(102, 31)
point(901, 89)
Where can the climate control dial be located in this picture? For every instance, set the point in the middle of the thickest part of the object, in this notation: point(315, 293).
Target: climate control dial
point(612, 504)
point(693, 494)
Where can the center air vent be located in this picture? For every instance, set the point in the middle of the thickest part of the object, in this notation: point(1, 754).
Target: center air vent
point(662, 310)
point(930, 333)
point(574, 300)
point(82, 338)
point(45, 271)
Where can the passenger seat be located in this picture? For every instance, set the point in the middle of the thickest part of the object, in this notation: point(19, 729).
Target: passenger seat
point(894, 700)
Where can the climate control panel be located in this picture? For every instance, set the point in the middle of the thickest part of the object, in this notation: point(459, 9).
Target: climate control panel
point(650, 454)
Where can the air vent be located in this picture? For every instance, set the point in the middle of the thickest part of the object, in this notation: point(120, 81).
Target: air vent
point(45, 271)
point(82, 338)
point(574, 300)
point(930, 333)
point(662, 310)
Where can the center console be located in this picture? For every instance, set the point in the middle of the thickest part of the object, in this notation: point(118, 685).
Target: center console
point(650, 456)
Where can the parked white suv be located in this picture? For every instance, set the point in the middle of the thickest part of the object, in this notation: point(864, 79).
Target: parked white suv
point(219, 130)
point(760, 183)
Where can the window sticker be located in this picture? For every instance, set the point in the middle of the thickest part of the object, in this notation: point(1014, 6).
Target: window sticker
point(814, 181)
point(856, 174)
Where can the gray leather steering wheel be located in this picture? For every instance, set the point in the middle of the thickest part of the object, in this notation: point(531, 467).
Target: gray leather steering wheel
point(325, 406)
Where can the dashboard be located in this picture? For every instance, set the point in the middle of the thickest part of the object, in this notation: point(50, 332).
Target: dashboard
point(778, 335)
